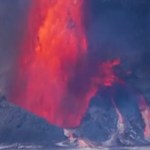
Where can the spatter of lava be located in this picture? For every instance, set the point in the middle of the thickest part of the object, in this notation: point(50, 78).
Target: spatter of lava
point(53, 78)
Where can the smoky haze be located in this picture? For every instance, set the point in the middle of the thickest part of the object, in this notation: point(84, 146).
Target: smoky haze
point(12, 18)
point(119, 29)
point(116, 29)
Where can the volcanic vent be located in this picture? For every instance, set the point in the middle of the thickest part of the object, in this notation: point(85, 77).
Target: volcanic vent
point(53, 78)
point(58, 79)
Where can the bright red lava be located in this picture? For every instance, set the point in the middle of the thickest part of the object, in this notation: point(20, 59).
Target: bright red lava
point(52, 80)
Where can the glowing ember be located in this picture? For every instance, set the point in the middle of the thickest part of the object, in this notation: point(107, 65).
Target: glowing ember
point(53, 79)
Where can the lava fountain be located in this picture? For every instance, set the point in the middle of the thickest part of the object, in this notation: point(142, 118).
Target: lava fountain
point(53, 79)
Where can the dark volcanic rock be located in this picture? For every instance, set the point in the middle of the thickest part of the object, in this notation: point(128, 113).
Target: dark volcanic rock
point(17, 125)
point(128, 104)
point(96, 125)
point(101, 124)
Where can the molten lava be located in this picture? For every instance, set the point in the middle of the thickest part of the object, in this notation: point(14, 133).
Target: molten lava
point(120, 123)
point(53, 79)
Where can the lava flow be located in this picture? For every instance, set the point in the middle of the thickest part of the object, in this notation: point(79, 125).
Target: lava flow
point(145, 112)
point(53, 79)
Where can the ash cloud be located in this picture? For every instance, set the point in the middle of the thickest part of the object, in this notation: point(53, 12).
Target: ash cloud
point(119, 29)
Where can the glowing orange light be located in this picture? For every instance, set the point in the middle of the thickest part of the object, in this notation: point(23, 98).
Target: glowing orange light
point(52, 81)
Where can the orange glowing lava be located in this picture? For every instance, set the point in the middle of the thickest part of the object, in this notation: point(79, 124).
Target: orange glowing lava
point(53, 80)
